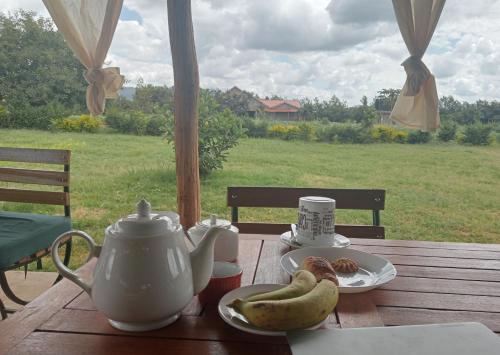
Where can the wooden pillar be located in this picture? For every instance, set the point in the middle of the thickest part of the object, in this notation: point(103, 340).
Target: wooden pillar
point(186, 86)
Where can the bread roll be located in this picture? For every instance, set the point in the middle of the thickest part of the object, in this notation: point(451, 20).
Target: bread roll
point(321, 268)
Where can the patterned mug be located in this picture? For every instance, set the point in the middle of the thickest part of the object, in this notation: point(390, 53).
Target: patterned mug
point(316, 225)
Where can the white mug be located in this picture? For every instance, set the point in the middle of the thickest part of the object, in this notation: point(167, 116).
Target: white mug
point(316, 225)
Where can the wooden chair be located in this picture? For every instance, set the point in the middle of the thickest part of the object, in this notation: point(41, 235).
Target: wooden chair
point(285, 197)
point(26, 237)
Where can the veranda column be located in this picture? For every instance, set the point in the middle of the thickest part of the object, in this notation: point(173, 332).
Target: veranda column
point(186, 86)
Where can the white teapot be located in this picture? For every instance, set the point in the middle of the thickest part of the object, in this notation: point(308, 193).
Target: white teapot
point(145, 275)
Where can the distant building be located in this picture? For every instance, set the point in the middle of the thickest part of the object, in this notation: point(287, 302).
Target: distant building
point(281, 110)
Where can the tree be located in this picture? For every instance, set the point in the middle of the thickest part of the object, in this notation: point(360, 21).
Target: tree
point(385, 99)
point(153, 99)
point(39, 75)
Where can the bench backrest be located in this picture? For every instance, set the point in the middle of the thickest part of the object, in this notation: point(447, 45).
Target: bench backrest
point(286, 197)
point(36, 176)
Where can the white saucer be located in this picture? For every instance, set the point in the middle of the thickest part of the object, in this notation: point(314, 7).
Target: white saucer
point(373, 272)
point(238, 321)
point(339, 241)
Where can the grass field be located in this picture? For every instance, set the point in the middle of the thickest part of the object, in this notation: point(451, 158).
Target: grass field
point(434, 191)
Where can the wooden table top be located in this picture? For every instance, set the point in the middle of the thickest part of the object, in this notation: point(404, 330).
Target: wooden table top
point(436, 283)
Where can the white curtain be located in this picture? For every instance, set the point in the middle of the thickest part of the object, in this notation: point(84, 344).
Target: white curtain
point(88, 27)
point(418, 104)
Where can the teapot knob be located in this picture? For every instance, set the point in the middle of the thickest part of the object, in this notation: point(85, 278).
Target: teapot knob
point(144, 209)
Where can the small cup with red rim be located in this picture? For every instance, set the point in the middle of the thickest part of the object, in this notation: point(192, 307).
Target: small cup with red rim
point(225, 277)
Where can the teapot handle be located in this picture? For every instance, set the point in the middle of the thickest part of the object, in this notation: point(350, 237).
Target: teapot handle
point(63, 269)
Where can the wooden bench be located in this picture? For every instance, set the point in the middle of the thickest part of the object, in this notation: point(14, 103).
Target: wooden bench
point(26, 237)
point(286, 197)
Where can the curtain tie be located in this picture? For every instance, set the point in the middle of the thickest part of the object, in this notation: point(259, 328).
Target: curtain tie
point(416, 75)
point(107, 79)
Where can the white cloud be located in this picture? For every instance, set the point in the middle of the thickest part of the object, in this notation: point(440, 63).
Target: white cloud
point(299, 48)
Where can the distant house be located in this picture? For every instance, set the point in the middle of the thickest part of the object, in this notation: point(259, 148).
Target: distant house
point(282, 110)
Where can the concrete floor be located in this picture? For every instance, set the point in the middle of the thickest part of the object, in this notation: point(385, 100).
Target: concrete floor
point(29, 288)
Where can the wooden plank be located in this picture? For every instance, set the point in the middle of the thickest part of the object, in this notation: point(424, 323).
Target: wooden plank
point(443, 262)
point(444, 253)
point(462, 287)
point(19, 325)
point(441, 301)
point(187, 86)
point(287, 197)
point(448, 273)
point(29, 155)
point(84, 344)
point(269, 270)
point(428, 244)
point(37, 177)
point(351, 231)
point(29, 196)
point(413, 316)
point(357, 310)
point(207, 327)
point(249, 251)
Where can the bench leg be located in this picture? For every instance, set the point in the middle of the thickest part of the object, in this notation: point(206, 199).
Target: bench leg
point(67, 256)
point(8, 292)
point(3, 311)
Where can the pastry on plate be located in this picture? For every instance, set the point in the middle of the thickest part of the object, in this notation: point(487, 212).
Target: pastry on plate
point(321, 268)
point(345, 265)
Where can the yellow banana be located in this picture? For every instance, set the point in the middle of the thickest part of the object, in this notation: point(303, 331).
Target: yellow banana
point(293, 313)
point(303, 281)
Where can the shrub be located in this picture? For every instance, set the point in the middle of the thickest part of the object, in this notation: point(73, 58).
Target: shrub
point(447, 132)
point(255, 128)
point(218, 132)
point(325, 133)
point(3, 116)
point(477, 134)
point(418, 137)
point(383, 134)
point(23, 115)
point(389, 134)
point(156, 125)
point(137, 122)
point(306, 131)
point(82, 123)
point(278, 131)
point(350, 133)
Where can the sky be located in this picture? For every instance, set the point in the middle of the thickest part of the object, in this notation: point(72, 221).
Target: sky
point(308, 48)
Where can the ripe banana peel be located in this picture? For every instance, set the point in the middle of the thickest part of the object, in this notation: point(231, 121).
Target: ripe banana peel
point(292, 313)
point(303, 281)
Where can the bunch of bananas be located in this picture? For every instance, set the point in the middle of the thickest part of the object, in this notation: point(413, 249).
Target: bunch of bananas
point(301, 304)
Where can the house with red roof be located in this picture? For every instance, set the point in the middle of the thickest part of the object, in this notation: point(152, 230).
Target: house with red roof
point(280, 110)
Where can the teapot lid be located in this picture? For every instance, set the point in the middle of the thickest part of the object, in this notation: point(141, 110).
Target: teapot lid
point(213, 221)
point(145, 222)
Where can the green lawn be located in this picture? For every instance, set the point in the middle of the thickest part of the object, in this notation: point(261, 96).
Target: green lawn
point(434, 191)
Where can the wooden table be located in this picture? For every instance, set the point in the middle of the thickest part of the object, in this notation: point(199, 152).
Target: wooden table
point(436, 283)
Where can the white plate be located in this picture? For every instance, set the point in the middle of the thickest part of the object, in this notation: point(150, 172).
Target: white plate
point(234, 319)
point(339, 241)
point(373, 270)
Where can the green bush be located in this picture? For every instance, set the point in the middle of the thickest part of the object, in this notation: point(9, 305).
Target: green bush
point(447, 132)
point(388, 134)
point(137, 122)
point(218, 131)
point(22, 115)
point(325, 133)
point(255, 128)
point(82, 123)
point(477, 134)
point(278, 131)
point(4, 115)
point(418, 137)
point(306, 131)
point(352, 133)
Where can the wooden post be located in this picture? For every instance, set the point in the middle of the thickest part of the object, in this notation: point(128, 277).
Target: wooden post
point(186, 91)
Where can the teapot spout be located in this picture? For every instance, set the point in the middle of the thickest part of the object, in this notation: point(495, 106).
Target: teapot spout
point(202, 259)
